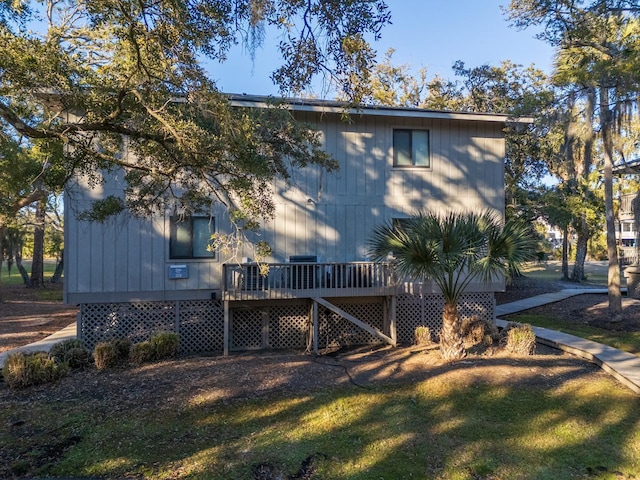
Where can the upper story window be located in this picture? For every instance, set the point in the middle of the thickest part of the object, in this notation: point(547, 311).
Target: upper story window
point(411, 148)
point(190, 237)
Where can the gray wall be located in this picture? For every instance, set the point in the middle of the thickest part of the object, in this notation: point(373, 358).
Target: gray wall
point(328, 215)
point(331, 214)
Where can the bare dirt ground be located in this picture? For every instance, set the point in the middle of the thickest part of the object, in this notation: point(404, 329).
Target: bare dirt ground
point(24, 320)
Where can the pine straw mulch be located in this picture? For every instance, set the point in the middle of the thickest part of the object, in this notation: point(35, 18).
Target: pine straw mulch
point(588, 309)
point(239, 377)
point(256, 374)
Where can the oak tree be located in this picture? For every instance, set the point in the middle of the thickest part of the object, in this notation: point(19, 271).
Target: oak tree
point(87, 81)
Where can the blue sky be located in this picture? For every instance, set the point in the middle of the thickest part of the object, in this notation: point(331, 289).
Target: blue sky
point(425, 33)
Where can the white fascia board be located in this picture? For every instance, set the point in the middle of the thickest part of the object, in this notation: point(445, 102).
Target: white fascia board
point(324, 106)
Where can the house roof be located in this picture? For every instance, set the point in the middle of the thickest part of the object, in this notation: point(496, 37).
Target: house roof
point(330, 106)
point(632, 166)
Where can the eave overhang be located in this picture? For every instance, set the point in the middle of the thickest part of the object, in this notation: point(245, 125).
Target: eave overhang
point(341, 108)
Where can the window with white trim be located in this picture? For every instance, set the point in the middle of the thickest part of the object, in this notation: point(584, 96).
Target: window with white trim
point(190, 237)
point(411, 148)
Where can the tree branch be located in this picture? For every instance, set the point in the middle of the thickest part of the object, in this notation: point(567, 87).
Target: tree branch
point(21, 127)
point(34, 196)
point(62, 130)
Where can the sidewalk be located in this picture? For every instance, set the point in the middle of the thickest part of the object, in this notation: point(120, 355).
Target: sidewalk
point(625, 367)
point(68, 332)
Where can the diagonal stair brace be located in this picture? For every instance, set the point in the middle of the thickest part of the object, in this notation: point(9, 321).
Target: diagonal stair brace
point(355, 321)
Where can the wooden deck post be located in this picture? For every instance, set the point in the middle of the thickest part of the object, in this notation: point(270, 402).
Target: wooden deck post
point(389, 315)
point(225, 341)
point(314, 316)
point(392, 320)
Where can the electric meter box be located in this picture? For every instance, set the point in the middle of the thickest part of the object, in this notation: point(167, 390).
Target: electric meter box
point(178, 271)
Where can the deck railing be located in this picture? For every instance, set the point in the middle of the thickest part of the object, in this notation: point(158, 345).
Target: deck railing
point(628, 256)
point(251, 281)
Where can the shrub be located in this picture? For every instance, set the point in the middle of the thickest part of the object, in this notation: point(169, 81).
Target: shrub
point(422, 335)
point(165, 345)
point(104, 355)
point(60, 349)
point(72, 352)
point(122, 347)
point(160, 346)
point(142, 352)
point(25, 369)
point(519, 339)
point(78, 358)
point(112, 353)
point(477, 330)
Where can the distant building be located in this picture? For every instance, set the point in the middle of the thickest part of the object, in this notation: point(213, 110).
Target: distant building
point(627, 228)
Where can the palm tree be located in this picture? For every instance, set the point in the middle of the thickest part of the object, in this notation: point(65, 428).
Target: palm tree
point(452, 250)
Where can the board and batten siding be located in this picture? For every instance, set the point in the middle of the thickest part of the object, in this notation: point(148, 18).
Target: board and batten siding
point(125, 259)
point(329, 215)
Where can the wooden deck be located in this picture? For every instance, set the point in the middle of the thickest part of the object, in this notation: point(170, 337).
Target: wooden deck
point(275, 281)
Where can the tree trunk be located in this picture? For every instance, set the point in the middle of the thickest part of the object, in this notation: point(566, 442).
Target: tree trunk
point(451, 344)
point(37, 265)
point(583, 172)
point(569, 141)
point(613, 277)
point(23, 272)
point(57, 275)
point(589, 134)
point(581, 251)
point(2, 246)
point(565, 254)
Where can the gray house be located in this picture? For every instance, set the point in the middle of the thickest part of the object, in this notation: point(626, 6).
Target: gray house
point(135, 277)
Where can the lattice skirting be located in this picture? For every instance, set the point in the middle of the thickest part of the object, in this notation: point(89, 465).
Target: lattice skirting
point(426, 309)
point(288, 326)
point(285, 325)
point(200, 323)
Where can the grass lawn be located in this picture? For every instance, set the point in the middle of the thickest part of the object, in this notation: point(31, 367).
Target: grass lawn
point(626, 341)
point(14, 276)
point(596, 273)
point(438, 428)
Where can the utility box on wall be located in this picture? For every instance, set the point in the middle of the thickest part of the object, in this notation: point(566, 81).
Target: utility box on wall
point(178, 271)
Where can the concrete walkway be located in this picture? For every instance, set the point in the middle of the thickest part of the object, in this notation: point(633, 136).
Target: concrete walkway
point(538, 300)
point(622, 365)
point(68, 332)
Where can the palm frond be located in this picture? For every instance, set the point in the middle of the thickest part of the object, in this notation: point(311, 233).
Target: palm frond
point(452, 249)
